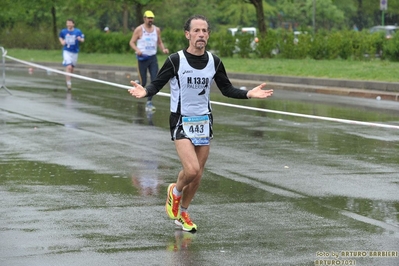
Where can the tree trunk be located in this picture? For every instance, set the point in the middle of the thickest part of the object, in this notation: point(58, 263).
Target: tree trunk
point(360, 12)
point(54, 21)
point(139, 14)
point(125, 18)
point(260, 16)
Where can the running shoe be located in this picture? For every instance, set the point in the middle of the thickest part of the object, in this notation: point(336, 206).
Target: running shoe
point(149, 107)
point(185, 222)
point(172, 205)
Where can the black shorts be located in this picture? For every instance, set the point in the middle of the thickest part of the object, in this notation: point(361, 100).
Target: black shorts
point(176, 127)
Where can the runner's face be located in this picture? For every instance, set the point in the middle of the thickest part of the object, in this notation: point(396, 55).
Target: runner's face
point(148, 21)
point(199, 34)
point(70, 25)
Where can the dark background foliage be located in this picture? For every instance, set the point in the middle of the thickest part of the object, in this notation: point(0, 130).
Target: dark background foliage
point(327, 26)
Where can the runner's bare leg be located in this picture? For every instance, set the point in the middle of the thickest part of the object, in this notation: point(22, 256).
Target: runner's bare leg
point(193, 159)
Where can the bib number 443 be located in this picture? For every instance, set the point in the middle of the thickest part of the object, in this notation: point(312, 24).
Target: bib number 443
point(197, 129)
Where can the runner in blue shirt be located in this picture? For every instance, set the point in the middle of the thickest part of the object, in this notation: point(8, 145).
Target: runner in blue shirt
point(70, 37)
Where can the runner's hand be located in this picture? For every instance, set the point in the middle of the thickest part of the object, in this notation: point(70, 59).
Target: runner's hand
point(137, 91)
point(257, 92)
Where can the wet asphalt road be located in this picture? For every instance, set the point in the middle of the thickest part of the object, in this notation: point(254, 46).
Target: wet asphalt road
point(84, 177)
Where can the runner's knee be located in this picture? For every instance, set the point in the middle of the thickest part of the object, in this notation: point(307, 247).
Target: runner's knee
point(192, 171)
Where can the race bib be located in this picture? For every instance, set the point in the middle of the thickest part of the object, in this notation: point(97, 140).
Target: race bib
point(197, 129)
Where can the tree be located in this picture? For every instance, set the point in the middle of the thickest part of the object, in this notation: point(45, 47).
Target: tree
point(292, 13)
point(120, 15)
point(328, 16)
point(300, 13)
point(348, 7)
point(138, 10)
point(260, 16)
point(173, 13)
point(237, 13)
point(369, 13)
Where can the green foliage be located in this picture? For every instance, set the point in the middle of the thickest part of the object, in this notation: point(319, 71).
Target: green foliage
point(243, 43)
point(223, 43)
point(327, 16)
point(358, 47)
point(379, 42)
point(344, 44)
point(237, 13)
point(333, 45)
point(349, 8)
point(378, 70)
point(267, 44)
point(97, 41)
point(303, 45)
point(318, 47)
point(22, 36)
point(346, 50)
point(363, 47)
point(294, 48)
point(120, 15)
point(392, 48)
point(174, 40)
point(301, 13)
point(287, 45)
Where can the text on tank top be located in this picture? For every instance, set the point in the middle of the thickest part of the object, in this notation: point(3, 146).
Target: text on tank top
point(147, 44)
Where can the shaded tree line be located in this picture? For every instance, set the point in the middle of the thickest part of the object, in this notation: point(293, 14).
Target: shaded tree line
point(23, 17)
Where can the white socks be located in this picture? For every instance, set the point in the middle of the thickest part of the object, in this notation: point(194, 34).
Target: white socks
point(177, 193)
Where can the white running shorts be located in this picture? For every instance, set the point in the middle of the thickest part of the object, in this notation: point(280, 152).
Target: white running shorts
point(69, 58)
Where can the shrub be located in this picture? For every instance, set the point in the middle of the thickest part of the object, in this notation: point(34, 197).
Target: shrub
point(23, 36)
point(244, 47)
point(333, 45)
point(287, 45)
point(346, 46)
point(267, 45)
point(223, 43)
point(174, 40)
point(379, 43)
point(303, 45)
point(392, 48)
point(318, 47)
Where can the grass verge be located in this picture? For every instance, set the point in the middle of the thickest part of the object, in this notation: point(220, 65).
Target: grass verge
point(375, 70)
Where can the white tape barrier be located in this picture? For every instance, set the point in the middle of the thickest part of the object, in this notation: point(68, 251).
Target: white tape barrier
point(76, 76)
point(345, 121)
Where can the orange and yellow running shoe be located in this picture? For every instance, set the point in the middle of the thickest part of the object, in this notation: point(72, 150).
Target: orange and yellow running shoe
point(185, 222)
point(172, 205)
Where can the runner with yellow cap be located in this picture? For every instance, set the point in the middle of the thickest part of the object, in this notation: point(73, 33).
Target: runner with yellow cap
point(149, 14)
point(145, 40)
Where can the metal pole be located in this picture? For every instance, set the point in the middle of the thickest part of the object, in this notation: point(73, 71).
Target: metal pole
point(3, 54)
point(382, 18)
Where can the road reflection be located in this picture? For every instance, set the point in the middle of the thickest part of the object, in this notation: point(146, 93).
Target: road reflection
point(147, 180)
point(275, 187)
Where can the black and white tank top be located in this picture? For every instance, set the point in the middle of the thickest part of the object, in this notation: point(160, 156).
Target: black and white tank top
point(190, 88)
